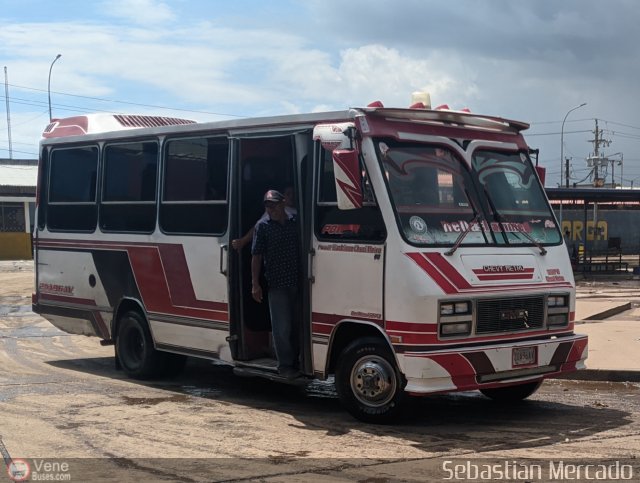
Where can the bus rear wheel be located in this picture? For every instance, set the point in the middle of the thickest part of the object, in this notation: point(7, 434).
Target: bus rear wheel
point(368, 382)
point(134, 348)
point(512, 393)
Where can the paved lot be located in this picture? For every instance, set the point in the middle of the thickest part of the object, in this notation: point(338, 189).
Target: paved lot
point(62, 399)
point(609, 312)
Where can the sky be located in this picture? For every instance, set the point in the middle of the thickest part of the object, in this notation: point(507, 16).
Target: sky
point(208, 60)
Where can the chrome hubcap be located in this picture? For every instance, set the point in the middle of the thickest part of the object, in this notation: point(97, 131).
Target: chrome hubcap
point(373, 381)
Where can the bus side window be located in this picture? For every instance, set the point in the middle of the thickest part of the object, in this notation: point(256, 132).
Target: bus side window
point(361, 224)
point(129, 187)
point(194, 186)
point(71, 203)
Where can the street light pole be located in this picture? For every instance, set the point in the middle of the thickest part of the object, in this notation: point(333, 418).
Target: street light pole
point(49, 85)
point(562, 155)
point(562, 142)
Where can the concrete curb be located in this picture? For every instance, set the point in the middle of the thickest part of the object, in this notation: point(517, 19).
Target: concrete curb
point(610, 312)
point(604, 375)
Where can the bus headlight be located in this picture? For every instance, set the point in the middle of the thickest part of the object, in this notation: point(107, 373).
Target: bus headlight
point(447, 309)
point(556, 301)
point(455, 328)
point(557, 320)
point(455, 308)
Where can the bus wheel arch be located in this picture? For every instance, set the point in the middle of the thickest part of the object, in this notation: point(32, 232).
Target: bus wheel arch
point(125, 305)
point(368, 379)
point(135, 349)
point(149, 363)
point(345, 333)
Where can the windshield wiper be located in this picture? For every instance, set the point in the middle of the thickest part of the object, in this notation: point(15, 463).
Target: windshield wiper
point(498, 218)
point(542, 249)
point(462, 236)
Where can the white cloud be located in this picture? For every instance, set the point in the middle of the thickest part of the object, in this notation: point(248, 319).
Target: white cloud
point(143, 12)
point(524, 60)
point(376, 72)
point(364, 74)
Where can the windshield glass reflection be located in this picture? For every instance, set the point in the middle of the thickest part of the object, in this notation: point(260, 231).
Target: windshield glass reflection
point(436, 198)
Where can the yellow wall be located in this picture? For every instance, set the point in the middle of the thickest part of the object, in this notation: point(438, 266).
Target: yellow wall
point(15, 246)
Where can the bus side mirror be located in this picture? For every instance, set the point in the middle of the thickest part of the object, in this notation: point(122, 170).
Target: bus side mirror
point(348, 177)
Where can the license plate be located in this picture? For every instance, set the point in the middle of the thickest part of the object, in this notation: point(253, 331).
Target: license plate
point(524, 356)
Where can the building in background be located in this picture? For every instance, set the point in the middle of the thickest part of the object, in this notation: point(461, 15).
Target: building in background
point(18, 178)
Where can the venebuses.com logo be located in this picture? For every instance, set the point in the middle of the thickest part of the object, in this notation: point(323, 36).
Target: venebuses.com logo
point(38, 470)
point(19, 470)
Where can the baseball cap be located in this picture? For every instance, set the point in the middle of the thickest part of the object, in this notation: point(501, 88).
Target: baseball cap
point(273, 195)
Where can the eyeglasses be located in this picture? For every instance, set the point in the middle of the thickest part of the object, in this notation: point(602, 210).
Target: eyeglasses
point(271, 204)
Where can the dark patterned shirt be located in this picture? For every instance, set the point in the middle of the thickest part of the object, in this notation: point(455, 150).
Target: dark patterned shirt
point(278, 245)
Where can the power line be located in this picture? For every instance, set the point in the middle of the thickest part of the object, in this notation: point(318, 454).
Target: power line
point(25, 144)
point(622, 134)
point(101, 99)
point(532, 123)
point(21, 152)
point(621, 124)
point(556, 133)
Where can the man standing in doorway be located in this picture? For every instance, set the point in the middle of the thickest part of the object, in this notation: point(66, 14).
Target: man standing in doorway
point(275, 246)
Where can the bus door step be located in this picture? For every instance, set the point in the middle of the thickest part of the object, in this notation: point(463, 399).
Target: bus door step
point(246, 371)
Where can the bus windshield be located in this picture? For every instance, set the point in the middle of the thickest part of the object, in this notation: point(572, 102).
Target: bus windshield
point(438, 201)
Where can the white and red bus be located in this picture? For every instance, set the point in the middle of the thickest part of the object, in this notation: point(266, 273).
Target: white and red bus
point(431, 260)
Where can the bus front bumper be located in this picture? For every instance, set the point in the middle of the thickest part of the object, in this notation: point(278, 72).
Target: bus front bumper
point(489, 366)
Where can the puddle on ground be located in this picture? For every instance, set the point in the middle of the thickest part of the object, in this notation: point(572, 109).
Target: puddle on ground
point(152, 401)
point(200, 391)
point(322, 389)
point(31, 331)
point(15, 310)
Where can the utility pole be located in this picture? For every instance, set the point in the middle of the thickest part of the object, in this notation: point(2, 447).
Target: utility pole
point(619, 162)
point(597, 159)
point(6, 96)
point(596, 143)
point(621, 167)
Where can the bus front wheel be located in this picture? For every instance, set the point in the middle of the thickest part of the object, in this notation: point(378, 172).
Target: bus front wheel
point(368, 382)
point(134, 348)
point(512, 393)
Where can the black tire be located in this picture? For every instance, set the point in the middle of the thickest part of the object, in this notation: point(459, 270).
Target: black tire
point(368, 382)
point(134, 348)
point(174, 363)
point(512, 393)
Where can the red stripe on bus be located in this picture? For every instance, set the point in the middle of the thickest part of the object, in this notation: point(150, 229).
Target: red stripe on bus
point(410, 326)
point(161, 272)
point(448, 270)
point(506, 276)
point(433, 273)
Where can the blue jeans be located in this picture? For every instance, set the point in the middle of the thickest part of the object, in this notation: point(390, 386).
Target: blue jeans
point(282, 303)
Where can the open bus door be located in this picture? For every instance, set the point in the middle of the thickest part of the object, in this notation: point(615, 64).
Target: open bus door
point(260, 163)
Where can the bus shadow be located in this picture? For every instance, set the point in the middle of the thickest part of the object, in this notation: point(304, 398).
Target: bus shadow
point(438, 424)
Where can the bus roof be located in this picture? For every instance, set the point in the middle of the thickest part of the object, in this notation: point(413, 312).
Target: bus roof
point(111, 125)
point(102, 122)
point(446, 116)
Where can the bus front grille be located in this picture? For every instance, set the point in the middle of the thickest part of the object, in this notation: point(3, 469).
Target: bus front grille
point(510, 315)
